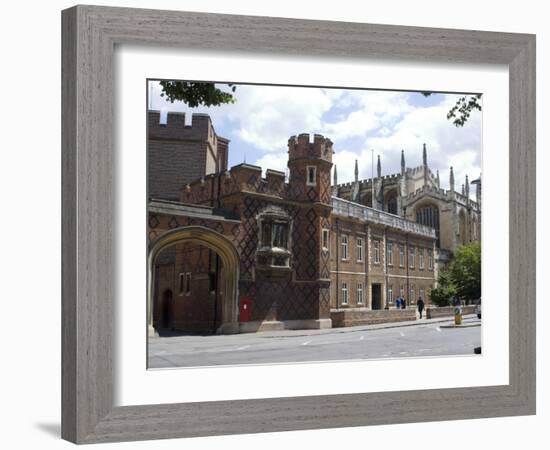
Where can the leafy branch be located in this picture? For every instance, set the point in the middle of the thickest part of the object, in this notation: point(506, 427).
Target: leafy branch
point(461, 111)
point(196, 93)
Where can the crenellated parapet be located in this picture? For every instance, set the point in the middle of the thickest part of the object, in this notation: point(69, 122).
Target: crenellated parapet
point(301, 147)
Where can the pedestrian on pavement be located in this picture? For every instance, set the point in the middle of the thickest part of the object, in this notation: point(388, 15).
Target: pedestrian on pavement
point(420, 304)
point(398, 303)
point(403, 303)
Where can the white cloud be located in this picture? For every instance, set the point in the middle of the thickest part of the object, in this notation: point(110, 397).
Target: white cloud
point(267, 116)
point(356, 121)
point(275, 161)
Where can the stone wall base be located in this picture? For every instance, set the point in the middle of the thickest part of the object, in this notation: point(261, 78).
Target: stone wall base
point(309, 324)
point(351, 317)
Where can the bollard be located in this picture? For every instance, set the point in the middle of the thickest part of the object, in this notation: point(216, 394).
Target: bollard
point(458, 315)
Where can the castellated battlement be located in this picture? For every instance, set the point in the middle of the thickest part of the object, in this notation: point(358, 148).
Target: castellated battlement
point(301, 146)
point(240, 178)
point(172, 126)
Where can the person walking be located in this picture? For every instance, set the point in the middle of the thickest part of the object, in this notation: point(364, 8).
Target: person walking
point(398, 303)
point(420, 304)
point(403, 303)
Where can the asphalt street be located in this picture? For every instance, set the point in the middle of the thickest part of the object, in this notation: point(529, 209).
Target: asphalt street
point(423, 339)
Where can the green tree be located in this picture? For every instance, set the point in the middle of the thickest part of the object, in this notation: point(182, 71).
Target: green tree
point(463, 108)
point(196, 93)
point(466, 271)
point(445, 290)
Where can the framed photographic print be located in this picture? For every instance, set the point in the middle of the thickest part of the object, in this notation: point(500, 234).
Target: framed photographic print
point(293, 228)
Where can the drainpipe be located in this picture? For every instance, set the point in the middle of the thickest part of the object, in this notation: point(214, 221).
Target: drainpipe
point(408, 252)
point(337, 261)
point(216, 291)
point(367, 252)
point(386, 266)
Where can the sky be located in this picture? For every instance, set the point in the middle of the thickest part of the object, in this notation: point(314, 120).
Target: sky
point(262, 119)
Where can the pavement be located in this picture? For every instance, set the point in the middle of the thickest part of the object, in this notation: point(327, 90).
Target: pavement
point(420, 338)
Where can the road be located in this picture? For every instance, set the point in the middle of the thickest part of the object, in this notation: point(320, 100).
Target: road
point(367, 342)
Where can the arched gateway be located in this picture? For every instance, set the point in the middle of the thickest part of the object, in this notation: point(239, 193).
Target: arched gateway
point(229, 276)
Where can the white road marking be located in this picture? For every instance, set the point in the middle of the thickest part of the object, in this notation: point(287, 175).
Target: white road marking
point(243, 347)
point(306, 342)
point(361, 338)
point(438, 329)
point(402, 334)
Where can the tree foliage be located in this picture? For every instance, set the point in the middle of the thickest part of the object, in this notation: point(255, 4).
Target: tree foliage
point(462, 278)
point(196, 93)
point(445, 290)
point(463, 108)
point(466, 271)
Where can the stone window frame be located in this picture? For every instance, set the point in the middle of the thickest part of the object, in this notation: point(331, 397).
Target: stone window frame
point(412, 252)
point(360, 249)
point(389, 253)
point(308, 171)
point(344, 245)
point(360, 289)
point(390, 293)
point(412, 294)
point(184, 284)
point(430, 260)
point(274, 214)
point(325, 238)
point(421, 258)
point(376, 251)
point(345, 293)
point(401, 255)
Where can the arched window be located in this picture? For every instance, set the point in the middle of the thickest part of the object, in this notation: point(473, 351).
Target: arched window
point(391, 205)
point(429, 215)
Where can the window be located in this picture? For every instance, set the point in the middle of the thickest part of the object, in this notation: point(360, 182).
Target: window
point(181, 283)
point(392, 204)
point(430, 260)
point(402, 291)
point(344, 247)
point(274, 234)
point(344, 293)
point(411, 258)
point(421, 258)
point(324, 239)
point(429, 215)
point(421, 294)
point(376, 255)
point(412, 298)
point(390, 294)
point(359, 293)
point(401, 256)
point(311, 176)
point(273, 248)
point(390, 254)
point(184, 283)
point(359, 249)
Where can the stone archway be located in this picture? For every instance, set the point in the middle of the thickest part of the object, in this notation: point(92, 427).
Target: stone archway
point(230, 261)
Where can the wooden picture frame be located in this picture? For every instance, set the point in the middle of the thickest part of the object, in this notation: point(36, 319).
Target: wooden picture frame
point(90, 34)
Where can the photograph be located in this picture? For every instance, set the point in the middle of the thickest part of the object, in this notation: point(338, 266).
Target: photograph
point(294, 224)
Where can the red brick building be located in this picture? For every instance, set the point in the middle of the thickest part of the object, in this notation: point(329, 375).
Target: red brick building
point(237, 252)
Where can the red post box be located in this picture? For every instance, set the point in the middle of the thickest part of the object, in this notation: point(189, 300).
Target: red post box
point(245, 309)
